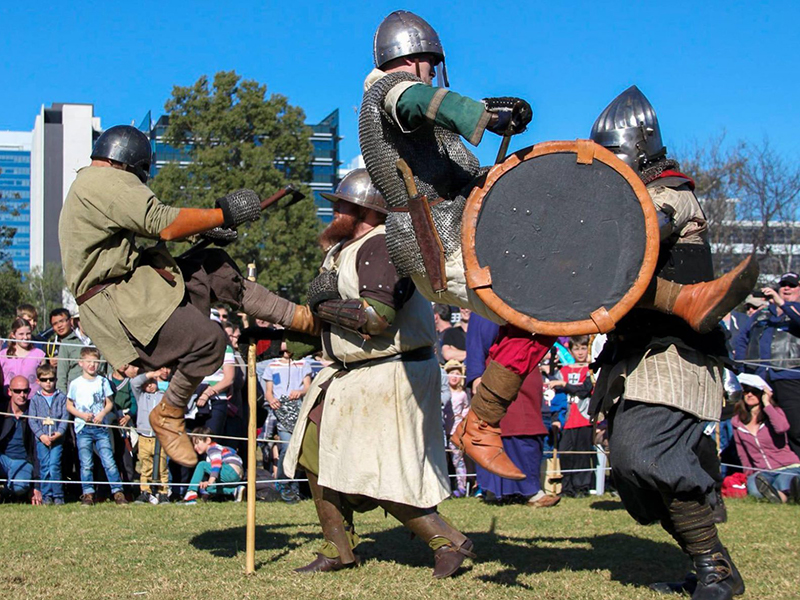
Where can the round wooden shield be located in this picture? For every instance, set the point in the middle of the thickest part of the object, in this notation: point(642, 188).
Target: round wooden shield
point(561, 239)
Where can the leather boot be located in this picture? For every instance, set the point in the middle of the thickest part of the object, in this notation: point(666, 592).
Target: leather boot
point(428, 525)
point(334, 529)
point(478, 434)
point(687, 586)
point(717, 576)
point(169, 426)
point(702, 305)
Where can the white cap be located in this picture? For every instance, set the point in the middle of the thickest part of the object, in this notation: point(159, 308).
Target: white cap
point(753, 381)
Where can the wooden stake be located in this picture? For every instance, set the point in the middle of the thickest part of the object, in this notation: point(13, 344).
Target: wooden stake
point(250, 546)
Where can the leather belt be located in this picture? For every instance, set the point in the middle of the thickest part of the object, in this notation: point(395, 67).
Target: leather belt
point(418, 354)
point(96, 289)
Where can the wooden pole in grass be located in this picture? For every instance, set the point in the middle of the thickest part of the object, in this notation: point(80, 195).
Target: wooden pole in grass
point(250, 545)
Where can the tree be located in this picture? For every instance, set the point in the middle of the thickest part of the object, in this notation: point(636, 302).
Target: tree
point(44, 288)
point(236, 137)
point(12, 293)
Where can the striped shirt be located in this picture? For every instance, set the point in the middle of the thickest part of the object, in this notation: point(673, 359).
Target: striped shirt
point(219, 455)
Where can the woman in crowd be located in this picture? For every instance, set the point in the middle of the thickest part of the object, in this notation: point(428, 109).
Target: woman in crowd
point(20, 357)
point(759, 430)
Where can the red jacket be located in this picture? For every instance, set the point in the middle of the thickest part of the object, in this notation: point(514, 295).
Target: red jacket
point(769, 449)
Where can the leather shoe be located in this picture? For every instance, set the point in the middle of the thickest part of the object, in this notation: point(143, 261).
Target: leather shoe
point(687, 586)
point(702, 305)
point(169, 426)
point(483, 444)
point(448, 559)
point(323, 564)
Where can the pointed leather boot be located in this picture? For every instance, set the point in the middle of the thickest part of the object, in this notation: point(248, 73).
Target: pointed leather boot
point(169, 426)
point(427, 524)
point(717, 577)
point(702, 305)
point(687, 586)
point(483, 444)
point(323, 564)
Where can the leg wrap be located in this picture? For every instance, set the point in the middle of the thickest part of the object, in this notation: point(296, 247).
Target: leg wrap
point(693, 526)
point(181, 387)
point(259, 302)
point(498, 389)
point(336, 521)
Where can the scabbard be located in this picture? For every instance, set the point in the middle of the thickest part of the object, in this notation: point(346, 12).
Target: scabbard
point(428, 240)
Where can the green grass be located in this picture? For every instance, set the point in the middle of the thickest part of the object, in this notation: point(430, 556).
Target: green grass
point(582, 549)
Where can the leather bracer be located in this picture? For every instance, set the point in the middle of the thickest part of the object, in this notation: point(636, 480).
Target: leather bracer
point(354, 314)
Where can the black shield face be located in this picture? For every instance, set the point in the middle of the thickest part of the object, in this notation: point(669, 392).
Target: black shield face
point(561, 239)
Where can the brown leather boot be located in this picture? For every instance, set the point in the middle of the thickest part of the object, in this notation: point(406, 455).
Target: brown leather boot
point(331, 513)
point(429, 526)
point(305, 321)
point(170, 428)
point(478, 434)
point(702, 305)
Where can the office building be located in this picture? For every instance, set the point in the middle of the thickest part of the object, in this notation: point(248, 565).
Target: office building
point(15, 195)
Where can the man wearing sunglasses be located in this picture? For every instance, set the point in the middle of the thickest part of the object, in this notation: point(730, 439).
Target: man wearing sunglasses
point(772, 337)
point(17, 445)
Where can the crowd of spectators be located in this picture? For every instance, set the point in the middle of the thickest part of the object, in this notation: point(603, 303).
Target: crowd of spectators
point(59, 397)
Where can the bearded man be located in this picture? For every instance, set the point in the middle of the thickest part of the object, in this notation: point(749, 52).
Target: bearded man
point(369, 432)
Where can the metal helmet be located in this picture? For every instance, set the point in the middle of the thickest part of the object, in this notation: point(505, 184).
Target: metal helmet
point(357, 188)
point(629, 128)
point(127, 145)
point(402, 33)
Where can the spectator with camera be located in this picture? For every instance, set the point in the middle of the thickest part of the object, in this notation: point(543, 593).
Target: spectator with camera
point(286, 382)
point(772, 339)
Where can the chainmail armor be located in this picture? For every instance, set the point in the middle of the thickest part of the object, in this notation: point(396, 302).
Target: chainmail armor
point(442, 166)
point(654, 170)
point(324, 286)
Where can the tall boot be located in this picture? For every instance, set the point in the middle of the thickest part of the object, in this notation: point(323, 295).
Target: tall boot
point(478, 434)
point(450, 546)
point(168, 423)
point(717, 576)
point(263, 304)
point(702, 305)
point(335, 530)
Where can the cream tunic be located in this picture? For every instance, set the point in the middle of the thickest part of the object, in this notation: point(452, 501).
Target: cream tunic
point(381, 433)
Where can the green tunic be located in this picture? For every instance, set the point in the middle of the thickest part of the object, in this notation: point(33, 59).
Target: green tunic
point(105, 209)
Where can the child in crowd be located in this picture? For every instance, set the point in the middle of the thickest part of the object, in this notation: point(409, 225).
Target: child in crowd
point(460, 407)
point(222, 466)
point(89, 401)
point(575, 380)
point(20, 357)
point(125, 409)
point(148, 389)
point(51, 405)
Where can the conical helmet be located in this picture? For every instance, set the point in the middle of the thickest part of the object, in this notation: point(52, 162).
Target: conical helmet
point(402, 33)
point(629, 128)
point(357, 188)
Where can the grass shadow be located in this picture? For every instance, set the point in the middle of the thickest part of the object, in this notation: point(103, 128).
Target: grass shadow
point(228, 543)
point(607, 505)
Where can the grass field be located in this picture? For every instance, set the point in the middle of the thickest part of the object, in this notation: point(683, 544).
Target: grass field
point(580, 549)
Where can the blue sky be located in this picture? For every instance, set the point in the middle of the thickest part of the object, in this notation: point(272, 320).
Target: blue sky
point(706, 66)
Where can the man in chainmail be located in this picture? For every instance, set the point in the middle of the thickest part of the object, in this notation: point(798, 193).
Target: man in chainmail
point(141, 306)
point(403, 116)
point(660, 382)
point(369, 431)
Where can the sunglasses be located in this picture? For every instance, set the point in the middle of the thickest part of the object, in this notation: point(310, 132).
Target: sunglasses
point(47, 378)
point(751, 390)
point(25, 391)
point(788, 284)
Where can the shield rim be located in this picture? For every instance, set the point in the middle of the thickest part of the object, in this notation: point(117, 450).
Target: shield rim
point(479, 278)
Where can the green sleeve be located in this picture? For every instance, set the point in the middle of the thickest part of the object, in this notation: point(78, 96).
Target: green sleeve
point(447, 109)
point(384, 310)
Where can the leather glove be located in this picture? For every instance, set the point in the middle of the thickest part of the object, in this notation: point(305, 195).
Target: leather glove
point(510, 115)
point(220, 236)
point(239, 207)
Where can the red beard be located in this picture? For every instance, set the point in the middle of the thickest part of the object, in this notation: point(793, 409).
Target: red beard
point(342, 227)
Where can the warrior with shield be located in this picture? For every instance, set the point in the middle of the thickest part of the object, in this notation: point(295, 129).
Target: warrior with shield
point(404, 117)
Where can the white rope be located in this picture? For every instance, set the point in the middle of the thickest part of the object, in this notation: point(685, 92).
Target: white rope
point(33, 342)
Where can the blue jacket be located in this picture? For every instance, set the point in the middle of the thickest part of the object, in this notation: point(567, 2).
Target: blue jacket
point(762, 327)
point(481, 334)
point(57, 410)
